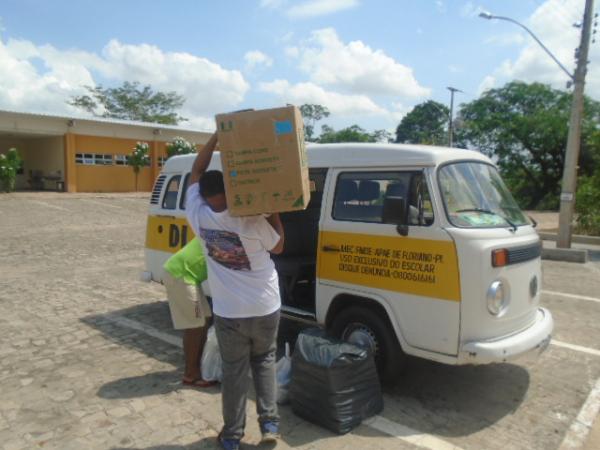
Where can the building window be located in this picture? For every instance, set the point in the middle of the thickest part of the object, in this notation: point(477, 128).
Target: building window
point(161, 160)
point(86, 159)
point(121, 160)
point(103, 160)
point(91, 159)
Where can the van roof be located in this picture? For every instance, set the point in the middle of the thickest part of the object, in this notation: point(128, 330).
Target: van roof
point(360, 155)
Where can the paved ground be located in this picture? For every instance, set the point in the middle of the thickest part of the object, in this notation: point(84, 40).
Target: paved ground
point(88, 359)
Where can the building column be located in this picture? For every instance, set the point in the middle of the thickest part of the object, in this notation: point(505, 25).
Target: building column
point(70, 168)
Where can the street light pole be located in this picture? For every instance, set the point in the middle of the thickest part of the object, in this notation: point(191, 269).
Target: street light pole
point(569, 181)
point(450, 123)
point(487, 15)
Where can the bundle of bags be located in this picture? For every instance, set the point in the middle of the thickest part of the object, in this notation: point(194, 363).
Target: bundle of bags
point(333, 383)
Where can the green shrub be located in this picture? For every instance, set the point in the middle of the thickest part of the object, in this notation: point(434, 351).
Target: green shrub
point(9, 164)
point(588, 205)
point(139, 158)
point(180, 146)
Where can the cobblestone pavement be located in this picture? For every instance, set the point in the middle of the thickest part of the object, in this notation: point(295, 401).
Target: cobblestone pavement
point(88, 359)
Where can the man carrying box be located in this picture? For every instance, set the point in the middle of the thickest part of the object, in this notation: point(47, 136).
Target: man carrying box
point(245, 292)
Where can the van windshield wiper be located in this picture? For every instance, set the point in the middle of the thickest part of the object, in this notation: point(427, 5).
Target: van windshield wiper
point(488, 211)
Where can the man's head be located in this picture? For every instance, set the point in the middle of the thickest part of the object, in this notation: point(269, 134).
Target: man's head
point(212, 190)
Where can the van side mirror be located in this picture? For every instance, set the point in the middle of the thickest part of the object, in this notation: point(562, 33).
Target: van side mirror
point(394, 211)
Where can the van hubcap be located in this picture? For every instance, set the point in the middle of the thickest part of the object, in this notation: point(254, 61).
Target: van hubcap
point(361, 335)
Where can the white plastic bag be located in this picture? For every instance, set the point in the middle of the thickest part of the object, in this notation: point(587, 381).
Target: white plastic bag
point(284, 376)
point(211, 364)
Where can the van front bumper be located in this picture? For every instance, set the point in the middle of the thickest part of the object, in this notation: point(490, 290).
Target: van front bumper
point(532, 340)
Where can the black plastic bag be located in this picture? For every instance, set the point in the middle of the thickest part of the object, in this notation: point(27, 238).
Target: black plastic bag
point(334, 384)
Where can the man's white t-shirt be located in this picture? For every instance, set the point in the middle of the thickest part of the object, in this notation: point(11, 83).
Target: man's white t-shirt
point(241, 275)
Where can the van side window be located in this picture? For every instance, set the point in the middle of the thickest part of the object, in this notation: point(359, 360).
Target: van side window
point(186, 181)
point(170, 198)
point(359, 196)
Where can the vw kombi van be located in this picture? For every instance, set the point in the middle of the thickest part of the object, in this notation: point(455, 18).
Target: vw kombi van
point(404, 249)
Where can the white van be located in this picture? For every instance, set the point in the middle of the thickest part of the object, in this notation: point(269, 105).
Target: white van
point(405, 249)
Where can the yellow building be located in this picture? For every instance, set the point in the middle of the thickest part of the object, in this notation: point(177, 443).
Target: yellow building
point(85, 155)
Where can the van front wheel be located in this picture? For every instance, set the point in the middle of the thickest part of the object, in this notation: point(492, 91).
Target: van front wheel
point(361, 326)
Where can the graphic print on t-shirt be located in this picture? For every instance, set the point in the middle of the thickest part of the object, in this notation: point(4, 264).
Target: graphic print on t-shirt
point(225, 248)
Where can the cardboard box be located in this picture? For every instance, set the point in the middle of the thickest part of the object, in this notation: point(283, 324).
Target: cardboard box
point(264, 160)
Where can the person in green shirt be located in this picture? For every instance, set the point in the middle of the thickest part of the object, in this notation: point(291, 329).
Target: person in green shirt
point(190, 311)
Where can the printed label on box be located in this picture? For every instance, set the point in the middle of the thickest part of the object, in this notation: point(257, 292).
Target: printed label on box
point(283, 127)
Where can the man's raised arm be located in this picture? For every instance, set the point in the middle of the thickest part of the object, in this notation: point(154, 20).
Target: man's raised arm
point(203, 159)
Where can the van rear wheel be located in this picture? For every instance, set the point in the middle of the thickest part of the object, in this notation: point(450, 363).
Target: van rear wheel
point(364, 327)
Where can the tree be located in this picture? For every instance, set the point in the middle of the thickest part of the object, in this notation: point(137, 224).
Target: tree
point(311, 115)
point(588, 192)
point(139, 158)
point(131, 102)
point(523, 127)
point(353, 133)
point(9, 164)
point(425, 124)
point(180, 146)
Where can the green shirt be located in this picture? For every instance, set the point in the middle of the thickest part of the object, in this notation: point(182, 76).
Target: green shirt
point(188, 263)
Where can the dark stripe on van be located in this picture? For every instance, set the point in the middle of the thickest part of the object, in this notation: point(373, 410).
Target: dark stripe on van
point(155, 197)
point(524, 253)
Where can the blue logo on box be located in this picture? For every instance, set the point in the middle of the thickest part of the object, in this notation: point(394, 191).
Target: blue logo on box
point(283, 127)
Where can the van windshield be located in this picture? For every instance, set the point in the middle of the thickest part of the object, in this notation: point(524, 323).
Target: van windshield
point(476, 197)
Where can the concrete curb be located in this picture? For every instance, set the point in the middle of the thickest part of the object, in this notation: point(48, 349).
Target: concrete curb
point(576, 255)
point(578, 238)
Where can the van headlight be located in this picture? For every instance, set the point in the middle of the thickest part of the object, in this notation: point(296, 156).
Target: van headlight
point(497, 298)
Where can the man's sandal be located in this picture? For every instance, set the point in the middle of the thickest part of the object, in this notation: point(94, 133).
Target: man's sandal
point(198, 383)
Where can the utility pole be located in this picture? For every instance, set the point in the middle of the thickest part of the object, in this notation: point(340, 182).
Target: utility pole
point(569, 181)
point(450, 124)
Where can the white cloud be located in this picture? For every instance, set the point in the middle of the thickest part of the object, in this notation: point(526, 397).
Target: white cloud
point(292, 52)
point(313, 8)
point(23, 88)
point(43, 78)
point(488, 82)
point(399, 111)
point(338, 104)
point(552, 27)
point(256, 58)
point(355, 67)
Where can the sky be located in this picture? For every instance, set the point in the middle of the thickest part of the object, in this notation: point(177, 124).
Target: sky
point(368, 61)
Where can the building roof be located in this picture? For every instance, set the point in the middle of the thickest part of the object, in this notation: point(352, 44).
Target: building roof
point(74, 117)
point(31, 125)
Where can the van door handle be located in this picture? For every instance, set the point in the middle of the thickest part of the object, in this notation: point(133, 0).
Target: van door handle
point(330, 248)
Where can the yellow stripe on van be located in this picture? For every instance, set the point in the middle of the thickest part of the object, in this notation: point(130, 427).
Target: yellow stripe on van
point(167, 233)
point(415, 266)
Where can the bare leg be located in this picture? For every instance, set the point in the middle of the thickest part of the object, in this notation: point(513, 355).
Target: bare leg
point(193, 343)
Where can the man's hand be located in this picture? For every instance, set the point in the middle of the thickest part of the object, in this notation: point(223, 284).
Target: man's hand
point(203, 159)
point(275, 221)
